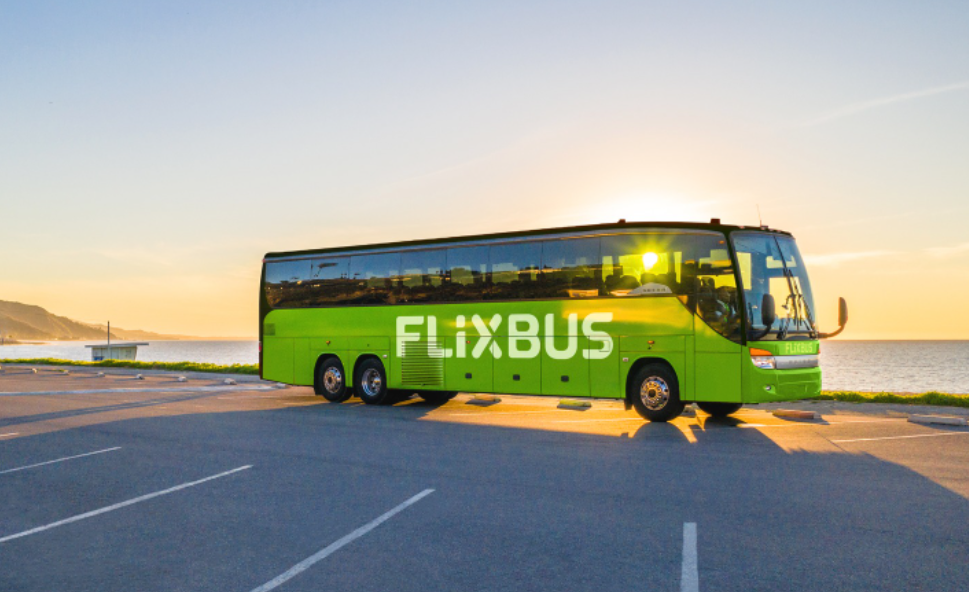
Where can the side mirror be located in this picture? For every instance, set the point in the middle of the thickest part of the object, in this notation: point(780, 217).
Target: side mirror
point(767, 313)
point(842, 320)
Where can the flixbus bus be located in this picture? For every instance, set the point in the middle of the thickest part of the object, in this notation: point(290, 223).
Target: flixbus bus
point(655, 314)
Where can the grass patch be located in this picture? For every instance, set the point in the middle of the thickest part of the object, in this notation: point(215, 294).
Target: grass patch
point(929, 398)
point(177, 366)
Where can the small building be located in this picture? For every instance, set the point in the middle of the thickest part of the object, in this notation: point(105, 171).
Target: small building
point(114, 351)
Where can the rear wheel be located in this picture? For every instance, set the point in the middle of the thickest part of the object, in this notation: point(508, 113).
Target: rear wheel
point(655, 393)
point(331, 381)
point(371, 383)
point(719, 409)
point(437, 397)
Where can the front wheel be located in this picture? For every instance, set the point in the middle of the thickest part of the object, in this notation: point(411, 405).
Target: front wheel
point(719, 409)
point(371, 383)
point(331, 381)
point(655, 393)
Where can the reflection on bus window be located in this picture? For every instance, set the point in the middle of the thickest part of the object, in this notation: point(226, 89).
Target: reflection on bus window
point(716, 297)
point(514, 270)
point(422, 274)
point(646, 265)
point(467, 274)
point(570, 268)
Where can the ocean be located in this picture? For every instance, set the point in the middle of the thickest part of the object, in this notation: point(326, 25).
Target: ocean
point(896, 366)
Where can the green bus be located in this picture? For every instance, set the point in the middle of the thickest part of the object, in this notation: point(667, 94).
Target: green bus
point(655, 314)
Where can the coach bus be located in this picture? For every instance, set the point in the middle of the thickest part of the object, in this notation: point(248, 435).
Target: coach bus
point(656, 314)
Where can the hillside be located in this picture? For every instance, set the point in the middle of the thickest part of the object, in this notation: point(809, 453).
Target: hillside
point(27, 322)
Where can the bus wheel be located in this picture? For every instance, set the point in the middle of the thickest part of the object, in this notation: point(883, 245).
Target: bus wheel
point(655, 393)
point(371, 383)
point(719, 409)
point(331, 381)
point(437, 397)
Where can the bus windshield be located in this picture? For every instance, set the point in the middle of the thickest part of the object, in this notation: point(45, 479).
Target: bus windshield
point(771, 264)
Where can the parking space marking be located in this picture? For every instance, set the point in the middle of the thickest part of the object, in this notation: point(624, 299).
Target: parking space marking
point(120, 505)
point(9, 434)
point(689, 574)
point(336, 546)
point(900, 437)
point(57, 460)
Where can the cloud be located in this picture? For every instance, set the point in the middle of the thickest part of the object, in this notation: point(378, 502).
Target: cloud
point(948, 251)
point(836, 259)
point(866, 105)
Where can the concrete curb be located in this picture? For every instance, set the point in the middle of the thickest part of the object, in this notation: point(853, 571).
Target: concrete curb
point(796, 414)
point(484, 400)
point(938, 419)
point(136, 371)
point(574, 404)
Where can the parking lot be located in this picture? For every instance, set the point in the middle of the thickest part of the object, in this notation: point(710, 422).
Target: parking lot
point(120, 483)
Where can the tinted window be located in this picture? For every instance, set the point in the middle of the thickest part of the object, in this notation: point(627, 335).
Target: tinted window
point(515, 270)
point(375, 279)
point(716, 295)
point(571, 269)
point(467, 271)
point(647, 264)
point(422, 275)
point(286, 285)
point(330, 281)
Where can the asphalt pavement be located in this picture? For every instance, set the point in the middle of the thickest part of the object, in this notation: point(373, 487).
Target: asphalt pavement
point(115, 483)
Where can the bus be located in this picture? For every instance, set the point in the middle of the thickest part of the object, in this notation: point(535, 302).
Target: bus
point(659, 315)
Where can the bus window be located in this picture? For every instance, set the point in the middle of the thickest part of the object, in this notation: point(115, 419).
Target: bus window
point(422, 274)
point(330, 280)
point(514, 270)
point(716, 296)
point(467, 273)
point(570, 268)
point(374, 279)
point(286, 285)
point(646, 264)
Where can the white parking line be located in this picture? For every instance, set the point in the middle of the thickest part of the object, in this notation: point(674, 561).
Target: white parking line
point(689, 574)
point(120, 505)
point(57, 460)
point(901, 437)
point(9, 434)
point(814, 424)
point(334, 547)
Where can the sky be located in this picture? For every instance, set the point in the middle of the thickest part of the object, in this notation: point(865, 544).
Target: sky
point(151, 153)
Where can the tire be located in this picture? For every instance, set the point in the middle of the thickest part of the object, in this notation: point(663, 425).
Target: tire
point(371, 383)
point(655, 393)
point(331, 382)
point(437, 397)
point(719, 409)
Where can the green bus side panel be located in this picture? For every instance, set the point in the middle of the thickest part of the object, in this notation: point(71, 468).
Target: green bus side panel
point(604, 380)
point(567, 377)
point(353, 331)
point(517, 375)
point(718, 370)
point(468, 374)
point(277, 359)
point(303, 362)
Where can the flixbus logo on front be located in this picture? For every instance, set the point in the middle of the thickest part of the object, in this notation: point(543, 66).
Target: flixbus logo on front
point(525, 339)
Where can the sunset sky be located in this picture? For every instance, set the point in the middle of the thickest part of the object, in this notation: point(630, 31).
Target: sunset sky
point(150, 155)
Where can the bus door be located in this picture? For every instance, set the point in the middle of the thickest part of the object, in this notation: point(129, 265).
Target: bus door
point(717, 332)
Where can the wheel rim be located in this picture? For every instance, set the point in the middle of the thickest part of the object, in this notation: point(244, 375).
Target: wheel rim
point(655, 393)
point(372, 382)
point(333, 380)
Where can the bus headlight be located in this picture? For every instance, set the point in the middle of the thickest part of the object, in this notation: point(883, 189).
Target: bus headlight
point(762, 358)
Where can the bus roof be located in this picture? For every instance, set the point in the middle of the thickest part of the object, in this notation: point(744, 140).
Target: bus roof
point(713, 225)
